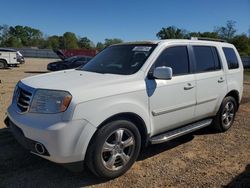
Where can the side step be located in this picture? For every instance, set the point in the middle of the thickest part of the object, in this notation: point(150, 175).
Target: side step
point(179, 131)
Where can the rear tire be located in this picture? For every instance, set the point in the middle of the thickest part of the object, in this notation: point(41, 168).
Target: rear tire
point(3, 64)
point(113, 149)
point(226, 114)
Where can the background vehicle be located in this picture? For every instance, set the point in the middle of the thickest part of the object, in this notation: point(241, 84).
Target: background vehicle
point(20, 57)
point(128, 96)
point(8, 57)
point(66, 53)
point(68, 63)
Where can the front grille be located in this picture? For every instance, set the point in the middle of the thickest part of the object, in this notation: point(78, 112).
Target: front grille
point(23, 99)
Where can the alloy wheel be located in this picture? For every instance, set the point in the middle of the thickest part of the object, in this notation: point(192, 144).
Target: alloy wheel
point(118, 149)
point(228, 114)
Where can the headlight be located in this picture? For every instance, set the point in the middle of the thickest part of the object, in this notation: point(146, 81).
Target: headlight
point(50, 101)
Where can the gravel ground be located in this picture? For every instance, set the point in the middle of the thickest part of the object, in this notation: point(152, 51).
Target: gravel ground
point(201, 159)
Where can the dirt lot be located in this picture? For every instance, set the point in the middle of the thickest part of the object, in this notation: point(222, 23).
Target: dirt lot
point(201, 159)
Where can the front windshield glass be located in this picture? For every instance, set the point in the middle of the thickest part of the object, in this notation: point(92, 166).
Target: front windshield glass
point(71, 58)
point(121, 59)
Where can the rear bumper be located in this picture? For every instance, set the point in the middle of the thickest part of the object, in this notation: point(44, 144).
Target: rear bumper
point(65, 142)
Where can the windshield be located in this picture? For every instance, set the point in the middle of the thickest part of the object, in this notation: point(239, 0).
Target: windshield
point(121, 59)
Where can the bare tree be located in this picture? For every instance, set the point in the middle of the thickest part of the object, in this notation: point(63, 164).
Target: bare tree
point(228, 31)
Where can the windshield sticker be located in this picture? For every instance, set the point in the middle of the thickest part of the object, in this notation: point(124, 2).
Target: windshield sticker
point(142, 48)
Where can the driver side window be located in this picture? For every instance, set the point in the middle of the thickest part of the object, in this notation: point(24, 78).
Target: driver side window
point(175, 57)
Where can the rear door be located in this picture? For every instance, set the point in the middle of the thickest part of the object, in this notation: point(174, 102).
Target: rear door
point(210, 80)
point(13, 58)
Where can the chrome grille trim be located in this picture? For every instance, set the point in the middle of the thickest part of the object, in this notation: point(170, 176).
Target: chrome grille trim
point(23, 97)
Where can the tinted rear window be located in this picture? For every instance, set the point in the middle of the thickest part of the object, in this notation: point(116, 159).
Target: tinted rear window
point(207, 58)
point(231, 57)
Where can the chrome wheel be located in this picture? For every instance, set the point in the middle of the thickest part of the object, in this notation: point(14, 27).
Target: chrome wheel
point(228, 114)
point(118, 149)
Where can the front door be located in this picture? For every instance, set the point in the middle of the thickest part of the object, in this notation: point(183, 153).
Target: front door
point(210, 81)
point(172, 102)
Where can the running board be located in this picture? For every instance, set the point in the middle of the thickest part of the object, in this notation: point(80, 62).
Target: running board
point(179, 131)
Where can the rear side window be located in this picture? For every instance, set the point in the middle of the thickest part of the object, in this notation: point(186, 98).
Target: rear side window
point(176, 58)
point(207, 58)
point(231, 57)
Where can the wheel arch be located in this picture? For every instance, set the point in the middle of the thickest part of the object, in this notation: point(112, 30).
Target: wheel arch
point(4, 60)
point(236, 95)
point(134, 118)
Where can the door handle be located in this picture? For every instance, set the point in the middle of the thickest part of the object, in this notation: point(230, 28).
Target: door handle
point(188, 86)
point(221, 80)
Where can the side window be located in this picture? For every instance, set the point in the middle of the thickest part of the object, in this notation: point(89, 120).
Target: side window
point(217, 62)
point(176, 58)
point(231, 57)
point(207, 59)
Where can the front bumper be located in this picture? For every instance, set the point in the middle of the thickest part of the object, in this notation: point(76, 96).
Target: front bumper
point(64, 141)
point(25, 142)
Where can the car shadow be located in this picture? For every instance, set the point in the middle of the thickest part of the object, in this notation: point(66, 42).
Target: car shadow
point(6, 68)
point(19, 168)
point(242, 180)
point(156, 149)
point(36, 72)
point(206, 131)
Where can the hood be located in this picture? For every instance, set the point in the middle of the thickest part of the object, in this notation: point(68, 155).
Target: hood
point(86, 85)
point(56, 62)
point(60, 54)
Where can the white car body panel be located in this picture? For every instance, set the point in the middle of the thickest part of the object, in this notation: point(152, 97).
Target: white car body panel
point(170, 104)
point(9, 57)
point(162, 104)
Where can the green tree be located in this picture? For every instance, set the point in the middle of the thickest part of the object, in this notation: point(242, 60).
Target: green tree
point(13, 41)
point(249, 32)
point(171, 32)
point(4, 34)
point(28, 36)
point(85, 43)
point(242, 43)
point(227, 32)
point(204, 34)
point(109, 42)
point(53, 42)
point(100, 46)
point(69, 41)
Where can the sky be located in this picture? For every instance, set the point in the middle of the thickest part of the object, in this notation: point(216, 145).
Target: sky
point(129, 20)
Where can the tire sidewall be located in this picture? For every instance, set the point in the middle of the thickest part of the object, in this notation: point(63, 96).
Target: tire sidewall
point(4, 64)
point(101, 137)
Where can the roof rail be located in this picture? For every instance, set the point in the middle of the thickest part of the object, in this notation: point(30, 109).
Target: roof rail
point(208, 39)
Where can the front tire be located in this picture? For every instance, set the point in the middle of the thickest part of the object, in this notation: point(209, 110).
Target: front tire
point(2, 64)
point(226, 115)
point(114, 149)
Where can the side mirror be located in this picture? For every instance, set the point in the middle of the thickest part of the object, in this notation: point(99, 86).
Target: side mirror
point(163, 73)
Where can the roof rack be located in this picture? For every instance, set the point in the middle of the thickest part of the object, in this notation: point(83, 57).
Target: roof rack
point(208, 39)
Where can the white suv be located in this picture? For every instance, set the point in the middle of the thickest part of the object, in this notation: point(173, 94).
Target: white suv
point(8, 57)
point(128, 96)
